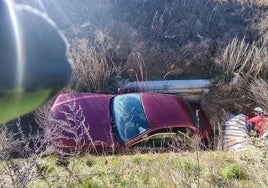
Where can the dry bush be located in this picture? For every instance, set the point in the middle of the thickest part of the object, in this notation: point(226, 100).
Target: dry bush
point(243, 58)
point(258, 91)
point(8, 142)
point(136, 63)
point(263, 25)
point(149, 62)
point(262, 29)
point(93, 65)
point(264, 39)
point(235, 56)
point(253, 3)
point(196, 59)
point(146, 62)
point(187, 20)
point(16, 172)
point(58, 131)
point(225, 99)
point(124, 38)
point(249, 61)
point(165, 24)
point(42, 113)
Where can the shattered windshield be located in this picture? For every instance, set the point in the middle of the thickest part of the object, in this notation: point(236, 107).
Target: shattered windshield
point(129, 117)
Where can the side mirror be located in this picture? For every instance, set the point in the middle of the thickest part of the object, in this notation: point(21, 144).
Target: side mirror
point(33, 60)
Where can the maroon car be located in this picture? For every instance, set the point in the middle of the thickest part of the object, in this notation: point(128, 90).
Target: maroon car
point(102, 122)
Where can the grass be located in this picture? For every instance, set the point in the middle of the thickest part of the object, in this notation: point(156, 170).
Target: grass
point(215, 169)
point(194, 39)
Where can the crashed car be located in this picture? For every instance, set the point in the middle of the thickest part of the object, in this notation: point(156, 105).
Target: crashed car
point(111, 123)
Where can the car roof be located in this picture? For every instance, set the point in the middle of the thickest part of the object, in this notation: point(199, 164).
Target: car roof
point(166, 111)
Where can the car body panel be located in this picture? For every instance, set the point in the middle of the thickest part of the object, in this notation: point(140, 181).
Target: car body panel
point(94, 108)
point(165, 111)
point(85, 120)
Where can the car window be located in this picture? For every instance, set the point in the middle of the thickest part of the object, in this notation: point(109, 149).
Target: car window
point(160, 140)
point(128, 117)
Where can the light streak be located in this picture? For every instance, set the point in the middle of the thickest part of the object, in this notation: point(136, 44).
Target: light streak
point(19, 47)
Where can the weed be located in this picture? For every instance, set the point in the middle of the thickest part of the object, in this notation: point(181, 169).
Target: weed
point(173, 39)
point(233, 171)
point(249, 160)
point(89, 162)
point(42, 169)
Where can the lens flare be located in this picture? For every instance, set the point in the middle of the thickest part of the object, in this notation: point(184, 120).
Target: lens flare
point(41, 4)
point(19, 47)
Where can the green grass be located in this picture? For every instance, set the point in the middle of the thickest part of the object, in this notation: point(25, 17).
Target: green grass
point(212, 169)
point(187, 169)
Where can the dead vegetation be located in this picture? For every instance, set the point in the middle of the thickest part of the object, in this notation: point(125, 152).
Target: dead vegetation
point(14, 145)
point(248, 63)
point(258, 92)
point(149, 40)
point(94, 66)
point(156, 39)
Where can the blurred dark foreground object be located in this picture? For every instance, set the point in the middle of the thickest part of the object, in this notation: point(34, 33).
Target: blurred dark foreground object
point(33, 61)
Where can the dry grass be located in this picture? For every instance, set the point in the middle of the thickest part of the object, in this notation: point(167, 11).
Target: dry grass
point(258, 91)
point(93, 62)
point(225, 99)
point(147, 62)
point(243, 58)
point(174, 40)
point(249, 62)
point(91, 69)
point(253, 3)
point(210, 169)
point(15, 172)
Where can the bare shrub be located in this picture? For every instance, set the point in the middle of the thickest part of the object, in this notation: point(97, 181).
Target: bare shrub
point(264, 39)
point(216, 142)
point(230, 58)
point(8, 142)
point(196, 59)
point(19, 172)
point(42, 113)
point(146, 62)
point(258, 92)
point(248, 62)
point(263, 26)
point(69, 135)
point(185, 20)
point(225, 99)
point(139, 68)
point(93, 65)
point(253, 3)
point(243, 58)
